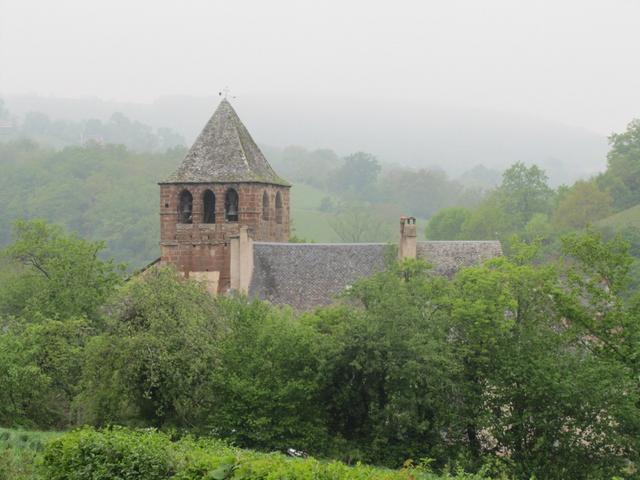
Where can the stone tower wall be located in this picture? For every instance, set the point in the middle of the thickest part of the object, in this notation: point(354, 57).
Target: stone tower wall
point(198, 247)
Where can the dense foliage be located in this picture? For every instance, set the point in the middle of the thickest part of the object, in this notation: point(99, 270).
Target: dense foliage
point(513, 368)
point(101, 192)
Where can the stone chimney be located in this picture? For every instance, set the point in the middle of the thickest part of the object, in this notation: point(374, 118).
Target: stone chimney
point(241, 261)
point(408, 238)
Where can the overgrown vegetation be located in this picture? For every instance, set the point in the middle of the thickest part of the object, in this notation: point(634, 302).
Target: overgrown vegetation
point(149, 455)
point(513, 368)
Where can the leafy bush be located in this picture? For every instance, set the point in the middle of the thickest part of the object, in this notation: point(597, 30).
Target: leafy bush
point(40, 367)
point(127, 455)
point(151, 366)
point(266, 382)
point(116, 453)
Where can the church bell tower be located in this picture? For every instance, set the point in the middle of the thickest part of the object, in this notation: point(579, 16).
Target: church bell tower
point(223, 183)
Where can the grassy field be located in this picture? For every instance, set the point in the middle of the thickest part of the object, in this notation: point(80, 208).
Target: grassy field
point(626, 218)
point(312, 224)
point(308, 221)
point(19, 451)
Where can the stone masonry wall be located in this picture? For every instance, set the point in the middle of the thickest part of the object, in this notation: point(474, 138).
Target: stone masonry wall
point(205, 247)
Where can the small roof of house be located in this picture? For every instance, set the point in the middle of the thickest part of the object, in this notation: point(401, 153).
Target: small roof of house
point(308, 275)
point(224, 152)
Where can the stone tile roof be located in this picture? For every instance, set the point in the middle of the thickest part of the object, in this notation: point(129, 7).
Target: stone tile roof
point(225, 152)
point(447, 257)
point(307, 275)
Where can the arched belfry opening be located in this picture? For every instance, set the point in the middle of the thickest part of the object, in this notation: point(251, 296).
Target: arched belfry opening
point(185, 207)
point(279, 209)
point(231, 205)
point(265, 206)
point(209, 203)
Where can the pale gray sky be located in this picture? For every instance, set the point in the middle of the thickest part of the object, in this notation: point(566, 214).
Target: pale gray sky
point(571, 61)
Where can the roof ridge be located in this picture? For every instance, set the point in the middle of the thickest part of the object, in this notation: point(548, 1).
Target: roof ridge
point(236, 128)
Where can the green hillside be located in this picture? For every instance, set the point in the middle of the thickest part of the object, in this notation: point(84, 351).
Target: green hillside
point(626, 218)
point(311, 223)
point(308, 221)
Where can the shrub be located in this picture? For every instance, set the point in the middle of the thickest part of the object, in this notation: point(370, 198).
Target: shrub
point(127, 454)
point(108, 454)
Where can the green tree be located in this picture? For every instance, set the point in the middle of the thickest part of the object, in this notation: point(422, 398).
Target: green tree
point(388, 372)
point(598, 273)
point(4, 113)
point(447, 224)
point(533, 390)
point(489, 221)
point(151, 366)
point(524, 192)
point(40, 369)
point(358, 173)
point(23, 386)
point(582, 205)
point(539, 228)
point(422, 192)
point(266, 382)
point(54, 274)
point(622, 178)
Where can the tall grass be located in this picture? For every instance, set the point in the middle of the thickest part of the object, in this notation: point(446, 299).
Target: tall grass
point(19, 453)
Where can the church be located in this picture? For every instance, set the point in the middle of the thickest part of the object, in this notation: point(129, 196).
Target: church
point(224, 221)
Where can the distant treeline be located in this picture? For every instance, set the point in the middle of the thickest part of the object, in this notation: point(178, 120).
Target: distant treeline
point(118, 129)
point(363, 178)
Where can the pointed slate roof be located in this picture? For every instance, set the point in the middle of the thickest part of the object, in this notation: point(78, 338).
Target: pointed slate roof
point(224, 152)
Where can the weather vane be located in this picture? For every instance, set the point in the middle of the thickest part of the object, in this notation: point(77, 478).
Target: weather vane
point(225, 91)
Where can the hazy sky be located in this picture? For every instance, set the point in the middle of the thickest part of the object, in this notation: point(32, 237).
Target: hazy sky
point(576, 62)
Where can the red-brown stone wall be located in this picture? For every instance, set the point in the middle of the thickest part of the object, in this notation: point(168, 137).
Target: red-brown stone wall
point(198, 246)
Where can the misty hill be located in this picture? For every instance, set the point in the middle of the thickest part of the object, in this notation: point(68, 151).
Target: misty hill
point(409, 134)
point(624, 219)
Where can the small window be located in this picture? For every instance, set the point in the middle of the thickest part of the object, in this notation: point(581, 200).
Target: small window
point(209, 201)
point(278, 208)
point(231, 205)
point(185, 207)
point(265, 206)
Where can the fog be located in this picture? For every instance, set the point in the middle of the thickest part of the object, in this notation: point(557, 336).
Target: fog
point(414, 82)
